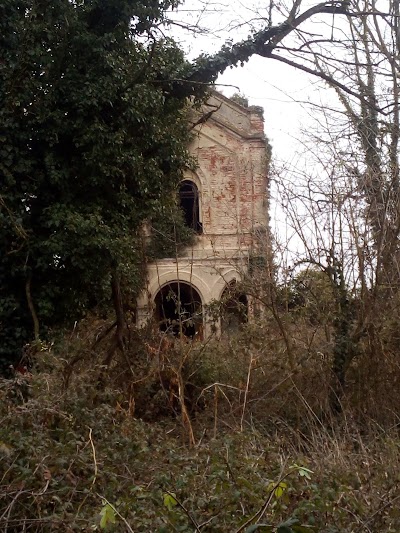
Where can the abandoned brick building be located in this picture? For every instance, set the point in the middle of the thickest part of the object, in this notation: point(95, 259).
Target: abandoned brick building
point(225, 201)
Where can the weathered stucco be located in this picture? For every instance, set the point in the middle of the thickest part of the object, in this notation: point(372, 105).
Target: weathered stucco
point(232, 179)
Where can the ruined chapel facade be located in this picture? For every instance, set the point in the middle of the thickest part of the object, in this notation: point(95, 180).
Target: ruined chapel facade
point(225, 201)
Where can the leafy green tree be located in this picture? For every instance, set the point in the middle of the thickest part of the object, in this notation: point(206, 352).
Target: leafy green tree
point(90, 146)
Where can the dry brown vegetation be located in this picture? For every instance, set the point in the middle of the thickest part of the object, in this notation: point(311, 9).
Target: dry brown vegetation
point(211, 436)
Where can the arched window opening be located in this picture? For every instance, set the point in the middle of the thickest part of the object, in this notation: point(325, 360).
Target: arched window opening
point(179, 309)
point(234, 309)
point(189, 202)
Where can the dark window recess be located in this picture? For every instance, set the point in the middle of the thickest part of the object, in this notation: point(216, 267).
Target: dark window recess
point(189, 201)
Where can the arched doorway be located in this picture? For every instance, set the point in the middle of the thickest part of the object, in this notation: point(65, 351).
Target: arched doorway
point(179, 310)
point(234, 308)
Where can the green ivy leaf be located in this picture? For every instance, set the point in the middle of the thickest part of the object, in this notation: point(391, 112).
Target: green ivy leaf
point(107, 515)
point(279, 489)
point(303, 471)
point(169, 500)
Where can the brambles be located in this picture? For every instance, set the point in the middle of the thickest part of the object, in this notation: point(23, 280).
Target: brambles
point(79, 460)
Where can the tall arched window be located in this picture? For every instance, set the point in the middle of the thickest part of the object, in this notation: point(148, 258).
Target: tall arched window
point(189, 202)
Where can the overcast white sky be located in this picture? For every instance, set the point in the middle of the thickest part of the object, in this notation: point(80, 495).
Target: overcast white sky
point(280, 89)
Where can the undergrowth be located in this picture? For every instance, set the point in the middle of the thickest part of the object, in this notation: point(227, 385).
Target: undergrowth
point(80, 458)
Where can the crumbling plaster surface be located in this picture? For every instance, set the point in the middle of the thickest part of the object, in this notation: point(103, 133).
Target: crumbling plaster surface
point(232, 178)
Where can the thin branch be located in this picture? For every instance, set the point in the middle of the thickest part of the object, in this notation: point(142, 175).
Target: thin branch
point(94, 456)
point(324, 77)
point(32, 308)
point(116, 512)
point(187, 513)
point(260, 513)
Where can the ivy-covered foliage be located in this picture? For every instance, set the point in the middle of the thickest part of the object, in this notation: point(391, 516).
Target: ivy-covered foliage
point(91, 144)
point(169, 233)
